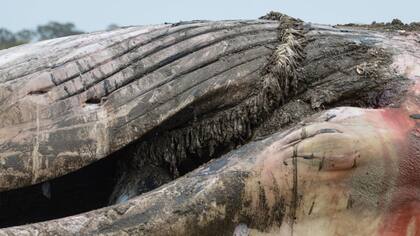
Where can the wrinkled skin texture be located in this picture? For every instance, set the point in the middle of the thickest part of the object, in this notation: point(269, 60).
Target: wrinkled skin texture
point(341, 171)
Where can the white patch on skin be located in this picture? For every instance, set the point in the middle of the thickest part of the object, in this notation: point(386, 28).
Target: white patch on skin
point(126, 195)
point(91, 107)
point(412, 229)
point(36, 162)
point(122, 198)
point(408, 65)
point(46, 190)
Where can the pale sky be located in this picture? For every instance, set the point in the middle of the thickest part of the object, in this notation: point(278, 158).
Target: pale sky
point(91, 15)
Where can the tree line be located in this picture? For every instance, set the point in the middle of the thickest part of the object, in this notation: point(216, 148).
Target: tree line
point(42, 32)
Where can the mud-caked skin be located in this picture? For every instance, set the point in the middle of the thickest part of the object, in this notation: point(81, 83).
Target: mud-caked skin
point(309, 163)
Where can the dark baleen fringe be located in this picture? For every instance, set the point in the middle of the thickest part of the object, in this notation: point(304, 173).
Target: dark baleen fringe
point(220, 133)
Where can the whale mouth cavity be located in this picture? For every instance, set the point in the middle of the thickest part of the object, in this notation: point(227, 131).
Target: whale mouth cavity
point(174, 148)
point(84, 190)
point(113, 179)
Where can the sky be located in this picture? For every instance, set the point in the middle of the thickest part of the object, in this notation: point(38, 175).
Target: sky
point(93, 15)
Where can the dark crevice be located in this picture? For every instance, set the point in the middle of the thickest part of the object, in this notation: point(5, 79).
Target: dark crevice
point(93, 101)
point(38, 92)
point(84, 190)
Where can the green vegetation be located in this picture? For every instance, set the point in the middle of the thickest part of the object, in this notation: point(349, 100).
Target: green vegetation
point(42, 32)
point(48, 31)
point(56, 30)
point(395, 24)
